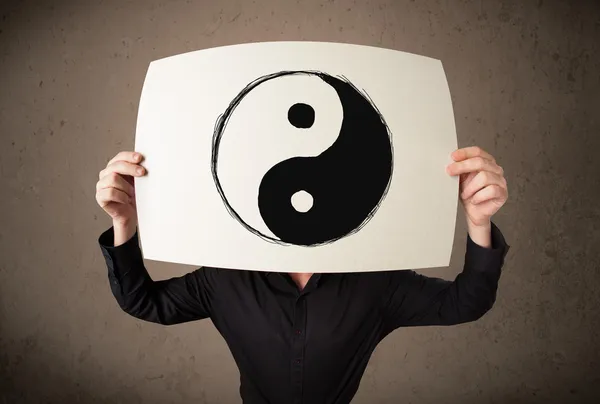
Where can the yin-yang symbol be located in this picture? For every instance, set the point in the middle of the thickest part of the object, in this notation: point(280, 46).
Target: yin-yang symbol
point(302, 158)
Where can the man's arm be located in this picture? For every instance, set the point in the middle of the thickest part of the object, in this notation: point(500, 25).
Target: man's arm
point(171, 301)
point(417, 300)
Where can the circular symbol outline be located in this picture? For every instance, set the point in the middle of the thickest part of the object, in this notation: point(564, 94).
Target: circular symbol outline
point(221, 124)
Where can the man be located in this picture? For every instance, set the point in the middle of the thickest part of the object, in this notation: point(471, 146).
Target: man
point(307, 338)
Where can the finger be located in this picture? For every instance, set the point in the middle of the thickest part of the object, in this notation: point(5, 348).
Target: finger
point(488, 193)
point(474, 164)
point(123, 168)
point(470, 152)
point(114, 180)
point(480, 181)
point(108, 195)
point(465, 179)
point(129, 156)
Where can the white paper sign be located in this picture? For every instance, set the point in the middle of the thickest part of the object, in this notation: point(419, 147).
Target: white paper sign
point(297, 157)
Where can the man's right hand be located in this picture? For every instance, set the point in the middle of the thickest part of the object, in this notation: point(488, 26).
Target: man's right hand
point(115, 193)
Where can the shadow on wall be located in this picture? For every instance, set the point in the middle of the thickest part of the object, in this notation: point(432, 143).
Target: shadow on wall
point(34, 374)
point(28, 378)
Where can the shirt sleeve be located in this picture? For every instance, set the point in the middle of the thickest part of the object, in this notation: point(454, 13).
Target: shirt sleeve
point(171, 301)
point(413, 299)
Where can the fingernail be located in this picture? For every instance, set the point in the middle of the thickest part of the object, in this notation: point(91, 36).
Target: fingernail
point(140, 171)
point(136, 156)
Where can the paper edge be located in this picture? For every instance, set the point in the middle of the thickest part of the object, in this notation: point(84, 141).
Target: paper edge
point(318, 43)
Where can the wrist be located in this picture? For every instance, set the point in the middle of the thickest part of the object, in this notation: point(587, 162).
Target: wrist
point(486, 224)
point(123, 231)
point(481, 234)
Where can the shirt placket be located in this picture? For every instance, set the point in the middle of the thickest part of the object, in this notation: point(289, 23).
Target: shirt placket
point(299, 331)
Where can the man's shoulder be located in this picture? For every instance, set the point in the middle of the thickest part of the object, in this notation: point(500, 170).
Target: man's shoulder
point(364, 279)
point(228, 273)
point(377, 279)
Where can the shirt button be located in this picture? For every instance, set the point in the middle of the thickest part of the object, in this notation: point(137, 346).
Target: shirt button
point(298, 332)
point(298, 361)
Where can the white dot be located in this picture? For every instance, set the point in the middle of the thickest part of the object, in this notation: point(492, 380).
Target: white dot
point(302, 201)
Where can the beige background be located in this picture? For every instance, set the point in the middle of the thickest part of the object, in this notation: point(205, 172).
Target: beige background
point(525, 84)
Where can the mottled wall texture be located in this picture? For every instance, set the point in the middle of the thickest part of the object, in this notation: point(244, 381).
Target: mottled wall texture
point(525, 82)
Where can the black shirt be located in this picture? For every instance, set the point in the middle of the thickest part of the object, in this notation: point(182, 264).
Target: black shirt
point(310, 346)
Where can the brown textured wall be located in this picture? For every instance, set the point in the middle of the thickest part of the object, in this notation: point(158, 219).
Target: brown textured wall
point(526, 86)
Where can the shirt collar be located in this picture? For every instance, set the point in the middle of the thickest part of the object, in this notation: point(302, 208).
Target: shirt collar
point(315, 276)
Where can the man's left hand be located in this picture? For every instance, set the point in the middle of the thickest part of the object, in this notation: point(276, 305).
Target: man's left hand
point(483, 189)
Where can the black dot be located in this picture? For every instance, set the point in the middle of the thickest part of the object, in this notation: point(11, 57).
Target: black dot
point(301, 115)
